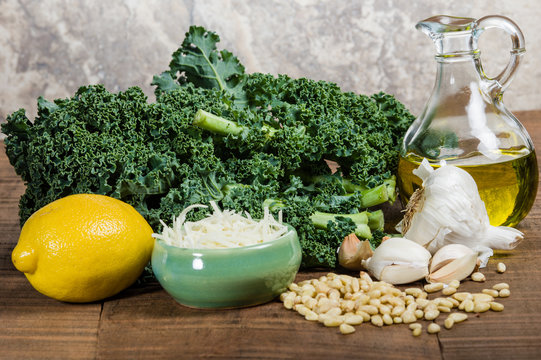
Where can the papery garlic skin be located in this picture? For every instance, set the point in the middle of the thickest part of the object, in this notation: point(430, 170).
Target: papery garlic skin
point(353, 251)
point(449, 210)
point(398, 261)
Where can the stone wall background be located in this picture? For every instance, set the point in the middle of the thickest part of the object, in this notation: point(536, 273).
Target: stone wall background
point(52, 47)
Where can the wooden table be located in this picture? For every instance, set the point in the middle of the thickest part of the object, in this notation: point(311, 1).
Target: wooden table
point(145, 322)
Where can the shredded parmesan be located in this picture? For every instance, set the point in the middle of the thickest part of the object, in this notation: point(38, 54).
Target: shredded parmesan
point(221, 229)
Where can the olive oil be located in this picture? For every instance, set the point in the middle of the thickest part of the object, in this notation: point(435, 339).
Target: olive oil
point(508, 186)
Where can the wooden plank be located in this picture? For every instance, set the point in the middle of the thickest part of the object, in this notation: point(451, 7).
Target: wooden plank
point(36, 327)
point(151, 324)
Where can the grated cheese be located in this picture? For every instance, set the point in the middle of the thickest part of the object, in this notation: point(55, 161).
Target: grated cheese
point(221, 229)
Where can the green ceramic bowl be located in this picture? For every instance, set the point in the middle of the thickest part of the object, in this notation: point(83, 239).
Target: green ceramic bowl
point(227, 278)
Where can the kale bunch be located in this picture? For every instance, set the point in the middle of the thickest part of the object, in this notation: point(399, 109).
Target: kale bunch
point(215, 133)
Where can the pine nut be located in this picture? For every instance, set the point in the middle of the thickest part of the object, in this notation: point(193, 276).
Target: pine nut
point(308, 289)
point(376, 320)
point(478, 276)
point(311, 304)
point(419, 313)
point(412, 306)
point(347, 305)
point(455, 302)
point(448, 323)
point(431, 288)
point(334, 311)
point(289, 300)
point(449, 290)
point(398, 310)
point(311, 316)
point(361, 299)
point(346, 329)
point(446, 303)
point(501, 267)
point(374, 294)
point(504, 293)
point(417, 332)
point(414, 326)
point(294, 287)
point(397, 320)
point(366, 316)
point(408, 317)
point(454, 283)
point(335, 283)
point(468, 305)
point(333, 321)
point(387, 319)
point(364, 276)
point(422, 303)
point(481, 307)
point(321, 287)
point(353, 319)
point(481, 297)
point(433, 328)
point(501, 286)
point(461, 296)
point(491, 292)
point(384, 309)
point(369, 309)
point(458, 317)
point(408, 299)
point(432, 314)
point(444, 309)
point(301, 309)
point(334, 294)
point(415, 292)
point(495, 306)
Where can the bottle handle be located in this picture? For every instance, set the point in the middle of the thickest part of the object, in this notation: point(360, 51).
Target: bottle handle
point(502, 80)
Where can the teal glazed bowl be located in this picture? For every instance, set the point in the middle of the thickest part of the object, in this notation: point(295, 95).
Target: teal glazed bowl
point(227, 278)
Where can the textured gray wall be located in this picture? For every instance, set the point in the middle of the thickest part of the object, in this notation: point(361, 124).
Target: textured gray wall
point(51, 48)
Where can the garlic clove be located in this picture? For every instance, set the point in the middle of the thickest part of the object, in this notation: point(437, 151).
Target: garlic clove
point(448, 253)
point(353, 251)
point(457, 269)
point(403, 273)
point(398, 260)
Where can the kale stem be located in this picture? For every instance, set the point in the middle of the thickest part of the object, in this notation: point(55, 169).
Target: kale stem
point(321, 221)
point(216, 124)
point(221, 126)
point(376, 220)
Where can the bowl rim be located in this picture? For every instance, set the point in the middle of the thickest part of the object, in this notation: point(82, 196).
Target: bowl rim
point(284, 237)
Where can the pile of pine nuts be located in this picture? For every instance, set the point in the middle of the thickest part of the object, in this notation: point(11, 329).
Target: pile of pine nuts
point(345, 301)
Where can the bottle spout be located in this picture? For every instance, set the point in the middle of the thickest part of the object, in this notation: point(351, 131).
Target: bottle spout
point(440, 24)
point(451, 34)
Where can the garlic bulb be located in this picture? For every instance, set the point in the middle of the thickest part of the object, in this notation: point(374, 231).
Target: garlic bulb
point(452, 262)
point(353, 251)
point(398, 261)
point(448, 210)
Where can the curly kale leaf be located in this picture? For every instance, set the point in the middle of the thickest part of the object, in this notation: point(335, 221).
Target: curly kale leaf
point(198, 62)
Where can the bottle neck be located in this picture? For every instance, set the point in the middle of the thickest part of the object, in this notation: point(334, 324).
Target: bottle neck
point(456, 72)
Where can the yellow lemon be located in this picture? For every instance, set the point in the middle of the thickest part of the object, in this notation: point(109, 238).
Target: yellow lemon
point(83, 248)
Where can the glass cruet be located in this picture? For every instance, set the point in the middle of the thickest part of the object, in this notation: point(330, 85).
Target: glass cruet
point(465, 122)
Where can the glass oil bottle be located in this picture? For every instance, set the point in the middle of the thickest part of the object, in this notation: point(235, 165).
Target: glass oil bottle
point(466, 123)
